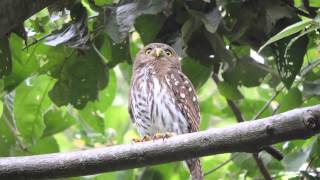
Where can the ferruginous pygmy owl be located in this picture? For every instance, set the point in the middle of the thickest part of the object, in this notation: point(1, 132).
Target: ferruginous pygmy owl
point(162, 98)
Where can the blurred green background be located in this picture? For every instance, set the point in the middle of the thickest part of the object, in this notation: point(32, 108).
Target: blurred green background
point(66, 87)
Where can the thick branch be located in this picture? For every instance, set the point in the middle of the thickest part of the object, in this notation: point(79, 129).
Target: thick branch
point(242, 137)
point(14, 12)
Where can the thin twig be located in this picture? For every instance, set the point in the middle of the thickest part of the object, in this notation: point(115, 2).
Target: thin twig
point(236, 111)
point(36, 41)
point(267, 104)
point(221, 165)
point(261, 166)
point(99, 53)
point(305, 70)
point(15, 134)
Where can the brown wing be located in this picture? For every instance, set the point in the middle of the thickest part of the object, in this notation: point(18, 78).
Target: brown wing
point(185, 97)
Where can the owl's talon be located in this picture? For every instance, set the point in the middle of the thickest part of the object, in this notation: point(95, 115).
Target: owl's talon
point(136, 140)
point(146, 138)
point(143, 139)
point(163, 136)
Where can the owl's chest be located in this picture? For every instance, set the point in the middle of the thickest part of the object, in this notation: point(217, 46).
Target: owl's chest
point(155, 109)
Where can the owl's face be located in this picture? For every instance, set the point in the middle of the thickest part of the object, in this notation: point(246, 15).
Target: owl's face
point(157, 52)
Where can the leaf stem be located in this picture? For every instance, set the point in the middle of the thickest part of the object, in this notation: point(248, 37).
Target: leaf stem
point(99, 53)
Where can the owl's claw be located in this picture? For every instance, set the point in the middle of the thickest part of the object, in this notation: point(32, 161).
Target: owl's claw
point(143, 139)
point(163, 136)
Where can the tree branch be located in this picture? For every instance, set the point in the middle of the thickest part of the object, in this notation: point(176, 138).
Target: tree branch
point(236, 111)
point(14, 12)
point(247, 136)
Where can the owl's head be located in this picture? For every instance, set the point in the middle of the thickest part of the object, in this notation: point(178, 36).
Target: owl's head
point(157, 53)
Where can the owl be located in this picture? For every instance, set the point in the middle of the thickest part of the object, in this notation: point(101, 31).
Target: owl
point(162, 98)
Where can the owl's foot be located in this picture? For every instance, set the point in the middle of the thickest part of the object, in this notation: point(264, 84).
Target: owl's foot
point(163, 136)
point(143, 139)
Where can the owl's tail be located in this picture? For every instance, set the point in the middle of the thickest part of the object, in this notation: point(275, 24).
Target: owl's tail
point(195, 169)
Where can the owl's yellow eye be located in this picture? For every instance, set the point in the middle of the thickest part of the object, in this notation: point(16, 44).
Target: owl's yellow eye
point(148, 51)
point(168, 52)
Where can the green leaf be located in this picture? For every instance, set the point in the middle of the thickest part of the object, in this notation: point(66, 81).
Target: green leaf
point(80, 80)
point(289, 61)
point(245, 162)
point(24, 62)
point(57, 120)
point(293, 161)
point(153, 174)
point(5, 57)
point(210, 20)
point(221, 53)
point(115, 53)
point(149, 26)
point(288, 31)
point(45, 146)
point(103, 2)
point(104, 176)
point(128, 175)
point(119, 20)
point(30, 104)
point(196, 72)
point(292, 99)
point(1, 108)
point(92, 114)
point(38, 58)
point(126, 71)
point(7, 139)
point(242, 73)
point(229, 91)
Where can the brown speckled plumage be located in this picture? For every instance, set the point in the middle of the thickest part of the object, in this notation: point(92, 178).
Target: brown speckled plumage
point(162, 99)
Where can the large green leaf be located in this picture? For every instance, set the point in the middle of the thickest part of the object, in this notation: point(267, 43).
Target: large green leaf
point(45, 146)
point(245, 161)
point(103, 2)
point(196, 72)
point(7, 139)
point(119, 20)
point(289, 59)
point(118, 121)
point(149, 26)
point(57, 120)
point(288, 31)
point(292, 99)
point(210, 20)
point(30, 104)
point(114, 53)
point(24, 62)
point(229, 91)
point(242, 73)
point(37, 58)
point(92, 114)
point(79, 80)
point(294, 160)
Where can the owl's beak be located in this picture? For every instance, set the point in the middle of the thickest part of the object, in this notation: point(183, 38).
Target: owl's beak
point(157, 52)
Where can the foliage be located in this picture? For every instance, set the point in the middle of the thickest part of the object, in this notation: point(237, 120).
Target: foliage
point(66, 88)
